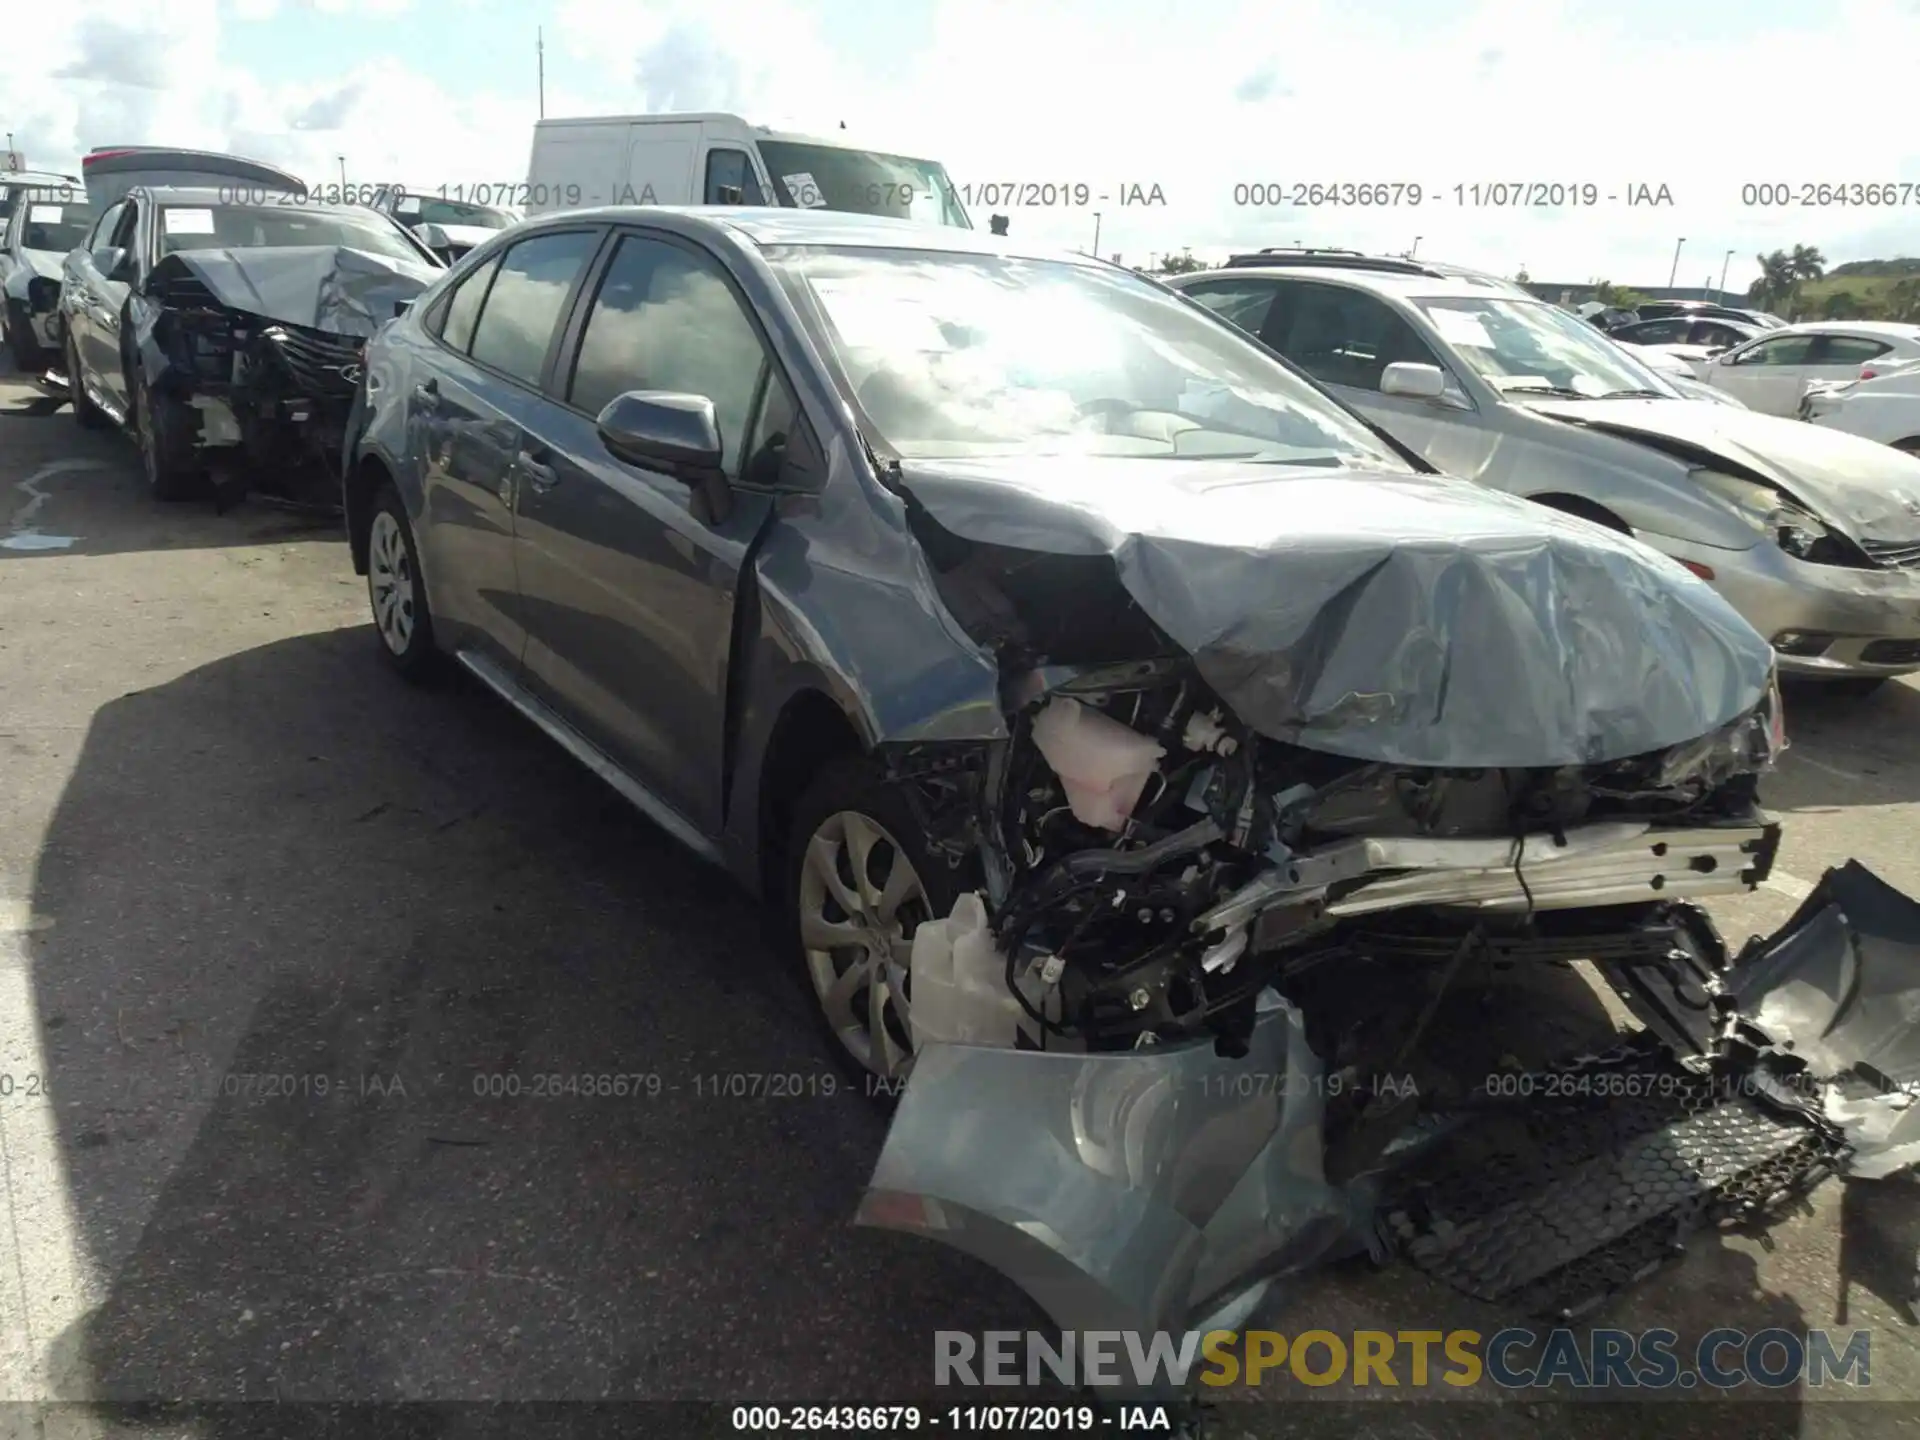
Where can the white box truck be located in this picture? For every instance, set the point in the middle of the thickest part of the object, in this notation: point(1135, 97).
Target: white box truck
point(714, 159)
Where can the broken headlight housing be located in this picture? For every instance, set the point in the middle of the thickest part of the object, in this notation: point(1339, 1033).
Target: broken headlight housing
point(43, 294)
point(1791, 526)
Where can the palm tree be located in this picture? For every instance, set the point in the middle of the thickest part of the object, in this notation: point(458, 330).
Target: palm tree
point(1805, 263)
point(1776, 278)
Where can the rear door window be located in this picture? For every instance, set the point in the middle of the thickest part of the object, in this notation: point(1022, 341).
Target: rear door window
point(456, 317)
point(1847, 350)
point(529, 296)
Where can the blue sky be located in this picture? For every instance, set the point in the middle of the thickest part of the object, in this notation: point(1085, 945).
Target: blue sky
point(1196, 99)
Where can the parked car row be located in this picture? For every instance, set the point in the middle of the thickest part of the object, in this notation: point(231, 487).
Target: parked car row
point(1116, 688)
point(1814, 538)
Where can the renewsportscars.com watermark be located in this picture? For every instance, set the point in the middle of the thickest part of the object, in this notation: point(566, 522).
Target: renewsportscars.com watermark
point(1513, 1359)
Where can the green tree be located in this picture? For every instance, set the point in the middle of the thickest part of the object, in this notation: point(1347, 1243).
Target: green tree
point(1776, 280)
point(1843, 305)
point(1521, 277)
point(1902, 301)
point(1805, 263)
point(1182, 264)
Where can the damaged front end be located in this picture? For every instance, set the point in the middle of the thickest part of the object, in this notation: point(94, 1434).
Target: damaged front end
point(261, 351)
point(1221, 1003)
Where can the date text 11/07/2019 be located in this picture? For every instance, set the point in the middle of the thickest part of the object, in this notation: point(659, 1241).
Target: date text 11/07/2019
point(1467, 195)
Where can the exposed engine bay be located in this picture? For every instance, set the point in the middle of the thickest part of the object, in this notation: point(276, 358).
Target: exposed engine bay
point(1246, 1002)
point(260, 352)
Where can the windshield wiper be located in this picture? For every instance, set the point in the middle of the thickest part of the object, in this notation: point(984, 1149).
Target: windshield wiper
point(1545, 390)
point(1636, 395)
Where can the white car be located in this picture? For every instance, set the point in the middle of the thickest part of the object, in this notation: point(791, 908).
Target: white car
point(1677, 369)
point(1885, 408)
point(1772, 372)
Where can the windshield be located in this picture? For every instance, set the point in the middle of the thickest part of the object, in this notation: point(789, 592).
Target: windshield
point(1527, 345)
point(969, 355)
point(59, 226)
point(277, 227)
point(825, 177)
point(431, 210)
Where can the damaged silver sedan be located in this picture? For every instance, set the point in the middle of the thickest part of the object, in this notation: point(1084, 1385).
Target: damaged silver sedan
point(224, 334)
point(1158, 771)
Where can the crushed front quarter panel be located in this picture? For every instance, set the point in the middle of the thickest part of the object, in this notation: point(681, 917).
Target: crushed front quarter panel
point(1409, 619)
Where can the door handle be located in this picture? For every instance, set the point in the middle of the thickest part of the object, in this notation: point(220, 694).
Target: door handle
point(542, 476)
point(426, 395)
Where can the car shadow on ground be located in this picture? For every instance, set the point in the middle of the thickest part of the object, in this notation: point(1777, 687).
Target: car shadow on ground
point(74, 492)
point(311, 942)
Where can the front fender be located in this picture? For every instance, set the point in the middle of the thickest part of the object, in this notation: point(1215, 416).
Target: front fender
point(1650, 491)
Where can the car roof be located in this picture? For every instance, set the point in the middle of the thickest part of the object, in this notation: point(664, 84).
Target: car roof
point(1387, 282)
point(241, 194)
point(1891, 329)
point(768, 226)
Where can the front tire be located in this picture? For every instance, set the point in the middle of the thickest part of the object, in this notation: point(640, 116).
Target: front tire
point(395, 590)
point(859, 879)
point(160, 430)
point(20, 342)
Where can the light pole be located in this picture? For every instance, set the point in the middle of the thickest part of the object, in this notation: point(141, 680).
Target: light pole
point(343, 170)
point(1416, 248)
point(1723, 272)
point(1676, 261)
point(1096, 234)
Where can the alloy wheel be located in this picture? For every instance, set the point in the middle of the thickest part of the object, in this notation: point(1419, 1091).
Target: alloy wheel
point(390, 582)
point(860, 900)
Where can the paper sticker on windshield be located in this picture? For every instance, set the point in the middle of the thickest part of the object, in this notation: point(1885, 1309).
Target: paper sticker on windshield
point(869, 317)
point(43, 214)
point(407, 205)
point(806, 194)
point(189, 222)
point(1459, 327)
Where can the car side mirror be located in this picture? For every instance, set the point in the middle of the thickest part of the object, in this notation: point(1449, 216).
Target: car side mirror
point(1413, 379)
point(654, 428)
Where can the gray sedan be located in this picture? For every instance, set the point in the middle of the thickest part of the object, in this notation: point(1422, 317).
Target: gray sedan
point(1815, 538)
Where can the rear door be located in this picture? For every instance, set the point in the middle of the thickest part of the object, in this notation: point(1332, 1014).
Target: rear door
point(1839, 357)
point(629, 573)
point(467, 421)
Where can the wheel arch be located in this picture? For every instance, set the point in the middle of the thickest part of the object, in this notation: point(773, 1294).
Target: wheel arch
point(811, 730)
point(1582, 507)
point(357, 493)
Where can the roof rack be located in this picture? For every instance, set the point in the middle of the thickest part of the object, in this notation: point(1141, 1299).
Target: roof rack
point(1341, 259)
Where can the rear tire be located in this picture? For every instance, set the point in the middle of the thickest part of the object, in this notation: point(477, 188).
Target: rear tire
point(85, 412)
point(396, 592)
point(858, 880)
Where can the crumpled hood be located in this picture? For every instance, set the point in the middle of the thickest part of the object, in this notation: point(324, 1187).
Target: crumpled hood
point(1865, 490)
point(323, 287)
point(43, 263)
point(436, 234)
point(1410, 619)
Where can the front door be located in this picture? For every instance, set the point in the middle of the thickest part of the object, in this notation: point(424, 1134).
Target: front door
point(629, 573)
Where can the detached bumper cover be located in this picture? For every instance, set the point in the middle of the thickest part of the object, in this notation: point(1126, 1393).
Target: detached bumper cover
point(1838, 990)
point(1157, 1189)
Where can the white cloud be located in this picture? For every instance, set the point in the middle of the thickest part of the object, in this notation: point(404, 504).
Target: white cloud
point(1095, 91)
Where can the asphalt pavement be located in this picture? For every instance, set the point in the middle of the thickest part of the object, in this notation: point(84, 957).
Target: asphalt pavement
point(275, 927)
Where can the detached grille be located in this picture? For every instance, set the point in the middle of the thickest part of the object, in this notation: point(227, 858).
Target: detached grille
point(315, 359)
point(1895, 555)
